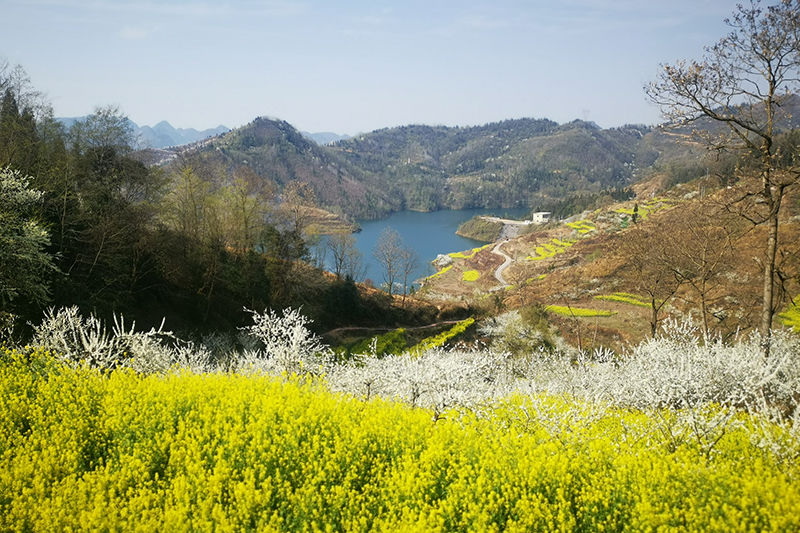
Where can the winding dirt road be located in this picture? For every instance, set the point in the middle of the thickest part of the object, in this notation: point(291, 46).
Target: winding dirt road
point(499, 272)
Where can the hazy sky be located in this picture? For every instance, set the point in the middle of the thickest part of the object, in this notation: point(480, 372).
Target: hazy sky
point(353, 66)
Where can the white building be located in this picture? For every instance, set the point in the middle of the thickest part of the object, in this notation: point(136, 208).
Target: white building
point(542, 217)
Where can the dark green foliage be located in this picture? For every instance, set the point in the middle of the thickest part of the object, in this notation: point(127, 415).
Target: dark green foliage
point(480, 229)
point(19, 141)
point(342, 303)
point(683, 173)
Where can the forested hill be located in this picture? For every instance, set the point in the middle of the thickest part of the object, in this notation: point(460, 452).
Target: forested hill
point(513, 163)
point(276, 151)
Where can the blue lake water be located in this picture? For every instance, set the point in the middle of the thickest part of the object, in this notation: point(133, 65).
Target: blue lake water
point(430, 234)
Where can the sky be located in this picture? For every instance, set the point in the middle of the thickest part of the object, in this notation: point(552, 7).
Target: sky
point(353, 66)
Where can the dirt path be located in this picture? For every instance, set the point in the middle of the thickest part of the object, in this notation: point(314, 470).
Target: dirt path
point(499, 272)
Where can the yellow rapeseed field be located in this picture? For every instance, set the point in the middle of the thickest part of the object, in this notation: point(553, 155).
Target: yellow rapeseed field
point(82, 450)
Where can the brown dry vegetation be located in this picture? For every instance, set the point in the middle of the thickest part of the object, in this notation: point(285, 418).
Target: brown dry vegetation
point(596, 265)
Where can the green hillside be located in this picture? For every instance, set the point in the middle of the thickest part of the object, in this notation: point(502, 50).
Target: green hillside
point(513, 163)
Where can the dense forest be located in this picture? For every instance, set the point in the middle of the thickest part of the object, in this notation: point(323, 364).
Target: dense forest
point(533, 163)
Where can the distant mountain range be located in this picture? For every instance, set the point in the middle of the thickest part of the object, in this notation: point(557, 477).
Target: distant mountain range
point(325, 137)
point(162, 135)
point(535, 163)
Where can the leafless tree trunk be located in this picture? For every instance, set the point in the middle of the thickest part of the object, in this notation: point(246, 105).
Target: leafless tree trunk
point(738, 96)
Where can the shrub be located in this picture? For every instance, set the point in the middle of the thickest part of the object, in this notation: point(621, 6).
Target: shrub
point(286, 345)
point(85, 341)
point(522, 333)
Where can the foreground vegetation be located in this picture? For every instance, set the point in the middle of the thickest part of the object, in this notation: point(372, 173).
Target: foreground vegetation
point(229, 452)
point(676, 435)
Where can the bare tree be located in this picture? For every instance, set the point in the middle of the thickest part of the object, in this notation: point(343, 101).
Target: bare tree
point(347, 258)
point(387, 253)
point(397, 260)
point(700, 242)
point(646, 258)
point(409, 262)
point(744, 86)
point(16, 81)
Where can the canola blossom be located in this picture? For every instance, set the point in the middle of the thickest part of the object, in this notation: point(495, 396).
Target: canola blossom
point(679, 434)
point(626, 298)
point(791, 318)
point(650, 205)
point(86, 450)
point(582, 226)
point(549, 249)
point(468, 254)
point(578, 311)
point(439, 272)
point(470, 275)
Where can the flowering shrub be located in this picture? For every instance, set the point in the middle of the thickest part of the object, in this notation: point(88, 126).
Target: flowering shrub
point(286, 345)
point(513, 335)
point(86, 341)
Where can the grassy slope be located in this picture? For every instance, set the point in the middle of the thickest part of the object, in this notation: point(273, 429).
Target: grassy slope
point(572, 268)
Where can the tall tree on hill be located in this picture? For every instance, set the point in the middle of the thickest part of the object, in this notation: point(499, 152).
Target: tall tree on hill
point(744, 86)
point(102, 212)
point(18, 137)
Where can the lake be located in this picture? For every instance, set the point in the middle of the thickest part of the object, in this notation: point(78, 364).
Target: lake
point(430, 234)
